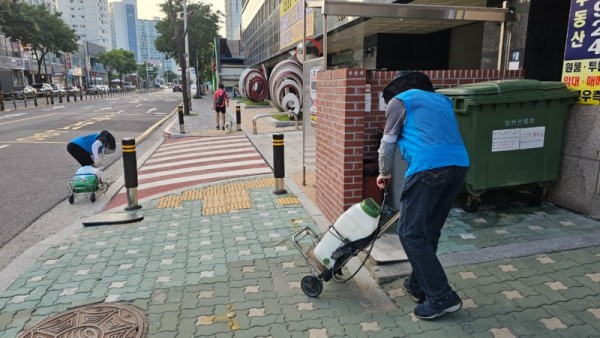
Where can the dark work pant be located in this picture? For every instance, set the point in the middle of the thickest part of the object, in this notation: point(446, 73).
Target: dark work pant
point(425, 203)
point(81, 155)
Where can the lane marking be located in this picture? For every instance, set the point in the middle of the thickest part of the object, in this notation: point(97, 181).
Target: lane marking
point(150, 110)
point(4, 146)
point(34, 142)
point(87, 107)
point(53, 108)
point(141, 104)
point(25, 119)
point(11, 116)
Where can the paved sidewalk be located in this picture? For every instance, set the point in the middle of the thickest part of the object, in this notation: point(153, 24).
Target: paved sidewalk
point(199, 271)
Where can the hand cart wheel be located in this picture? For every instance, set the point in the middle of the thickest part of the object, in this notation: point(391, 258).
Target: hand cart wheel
point(311, 285)
point(71, 198)
point(93, 197)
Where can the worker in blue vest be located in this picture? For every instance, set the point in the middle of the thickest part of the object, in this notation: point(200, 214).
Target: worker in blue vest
point(422, 124)
point(88, 148)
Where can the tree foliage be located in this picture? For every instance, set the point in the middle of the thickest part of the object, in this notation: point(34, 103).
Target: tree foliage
point(147, 70)
point(34, 25)
point(203, 27)
point(118, 61)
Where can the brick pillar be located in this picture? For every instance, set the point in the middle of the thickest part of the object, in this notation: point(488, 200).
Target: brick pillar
point(340, 139)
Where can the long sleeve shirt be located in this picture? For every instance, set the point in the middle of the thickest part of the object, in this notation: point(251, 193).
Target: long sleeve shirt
point(395, 115)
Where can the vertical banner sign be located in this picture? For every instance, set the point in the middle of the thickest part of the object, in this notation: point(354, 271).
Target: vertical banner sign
point(291, 20)
point(582, 51)
point(313, 94)
point(68, 60)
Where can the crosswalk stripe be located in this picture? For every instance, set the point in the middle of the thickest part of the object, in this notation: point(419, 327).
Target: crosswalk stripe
point(214, 175)
point(195, 160)
point(170, 172)
point(202, 154)
point(204, 148)
point(196, 145)
point(217, 140)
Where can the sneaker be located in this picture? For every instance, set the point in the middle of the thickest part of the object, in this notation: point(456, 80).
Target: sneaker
point(417, 296)
point(218, 128)
point(223, 128)
point(435, 308)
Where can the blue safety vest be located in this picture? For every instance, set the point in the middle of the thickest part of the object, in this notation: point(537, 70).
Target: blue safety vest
point(86, 142)
point(430, 138)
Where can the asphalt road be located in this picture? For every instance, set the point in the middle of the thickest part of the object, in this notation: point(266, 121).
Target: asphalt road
point(35, 166)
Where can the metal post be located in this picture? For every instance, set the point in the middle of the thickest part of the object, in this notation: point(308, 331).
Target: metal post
point(35, 103)
point(60, 98)
point(14, 99)
point(181, 123)
point(68, 97)
point(130, 173)
point(1, 101)
point(278, 164)
point(238, 117)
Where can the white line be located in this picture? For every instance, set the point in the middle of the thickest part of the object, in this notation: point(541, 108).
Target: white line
point(165, 158)
point(218, 174)
point(4, 146)
point(150, 110)
point(206, 145)
point(221, 166)
point(194, 161)
point(201, 141)
point(141, 104)
point(87, 107)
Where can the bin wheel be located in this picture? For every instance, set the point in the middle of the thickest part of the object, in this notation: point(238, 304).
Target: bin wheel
point(93, 197)
point(311, 285)
point(71, 198)
point(470, 203)
point(538, 196)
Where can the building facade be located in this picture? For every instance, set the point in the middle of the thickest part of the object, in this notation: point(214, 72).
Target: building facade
point(233, 19)
point(124, 27)
point(147, 51)
point(89, 19)
point(12, 65)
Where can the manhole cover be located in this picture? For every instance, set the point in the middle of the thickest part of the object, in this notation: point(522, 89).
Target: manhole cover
point(97, 321)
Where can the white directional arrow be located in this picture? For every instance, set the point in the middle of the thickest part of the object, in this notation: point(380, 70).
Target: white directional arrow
point(54, 108)
point(150, 110)
point(11, 115)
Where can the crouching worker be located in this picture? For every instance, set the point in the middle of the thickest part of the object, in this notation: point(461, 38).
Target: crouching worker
point(88, 148)
point(423, 125)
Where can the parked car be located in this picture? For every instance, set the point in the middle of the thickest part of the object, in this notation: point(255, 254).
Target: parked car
point(103, 88)
point(58, 89)
point(42, 88)
point(72, 90)
point(128, 86)
point(26, 91)
point(177, 88)
point(115, 89)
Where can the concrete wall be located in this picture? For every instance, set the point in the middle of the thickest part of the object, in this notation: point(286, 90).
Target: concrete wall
point(578, 185)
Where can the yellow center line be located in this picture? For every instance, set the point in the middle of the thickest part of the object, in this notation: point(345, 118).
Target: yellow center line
point(25, 119)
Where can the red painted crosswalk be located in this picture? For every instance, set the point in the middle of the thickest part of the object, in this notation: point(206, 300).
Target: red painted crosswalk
point(187, 162)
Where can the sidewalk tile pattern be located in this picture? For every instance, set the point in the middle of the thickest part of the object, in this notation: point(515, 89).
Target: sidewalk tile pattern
point(228, 275)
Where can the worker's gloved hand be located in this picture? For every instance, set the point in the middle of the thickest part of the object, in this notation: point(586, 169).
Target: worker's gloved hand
point(383, 180)
point(96, 164)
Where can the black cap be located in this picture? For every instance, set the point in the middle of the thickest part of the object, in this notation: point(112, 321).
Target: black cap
point(405, 81)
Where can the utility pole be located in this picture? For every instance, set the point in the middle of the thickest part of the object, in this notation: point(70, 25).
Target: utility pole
point(187, 53)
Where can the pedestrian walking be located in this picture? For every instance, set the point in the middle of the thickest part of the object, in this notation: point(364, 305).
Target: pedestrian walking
point(88, 148)
point(422, 123)
point(221, 100)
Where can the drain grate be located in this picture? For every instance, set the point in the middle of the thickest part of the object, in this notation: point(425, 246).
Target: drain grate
point(98, 320)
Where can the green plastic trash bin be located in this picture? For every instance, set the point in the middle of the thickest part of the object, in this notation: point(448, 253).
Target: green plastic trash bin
point(513, 131)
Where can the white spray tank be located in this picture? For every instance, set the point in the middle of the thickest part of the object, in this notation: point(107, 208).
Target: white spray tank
point(355, 223)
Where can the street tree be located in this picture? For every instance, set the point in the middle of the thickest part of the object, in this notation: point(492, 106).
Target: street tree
point(147, 70)
point(203, 27)
point(45, 31)
point(118, 61)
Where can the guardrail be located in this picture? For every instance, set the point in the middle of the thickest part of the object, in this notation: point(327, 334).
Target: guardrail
point(260, 116)
point(50, 98)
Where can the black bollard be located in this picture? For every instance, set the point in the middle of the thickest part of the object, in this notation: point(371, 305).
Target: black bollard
point(34, 100)
point(278, 164)
point(238, 117)
point(60, 98)
point(68, 97)
point(14, 99)
point(1, 101)
point(130, 173)
point(80, 96)
point(180, 112)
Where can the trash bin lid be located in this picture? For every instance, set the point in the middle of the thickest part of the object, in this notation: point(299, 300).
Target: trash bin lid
point(509, 91)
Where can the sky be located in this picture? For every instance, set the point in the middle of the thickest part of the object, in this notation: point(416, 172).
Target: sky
point(148, 9)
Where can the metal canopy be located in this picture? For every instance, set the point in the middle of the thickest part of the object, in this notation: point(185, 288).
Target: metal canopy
point(414, 11)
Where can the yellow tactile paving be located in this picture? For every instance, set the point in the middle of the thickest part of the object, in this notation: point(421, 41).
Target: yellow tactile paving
point(287, 200)
point(173, 201)
point(220, 199)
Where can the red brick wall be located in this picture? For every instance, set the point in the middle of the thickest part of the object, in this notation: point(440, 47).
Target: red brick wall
point(347, 135)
